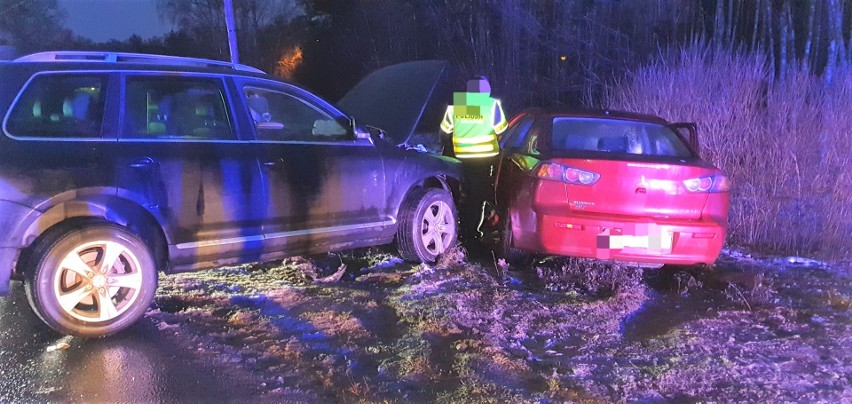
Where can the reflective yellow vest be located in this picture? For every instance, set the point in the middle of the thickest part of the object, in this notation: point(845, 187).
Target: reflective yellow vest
point(475, 120)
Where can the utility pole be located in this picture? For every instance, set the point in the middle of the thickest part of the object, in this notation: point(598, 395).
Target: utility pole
point(232, 31)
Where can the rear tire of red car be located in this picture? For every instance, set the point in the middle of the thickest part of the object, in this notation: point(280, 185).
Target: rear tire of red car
point(428, 225)
point(505, 246)
point(92, 281)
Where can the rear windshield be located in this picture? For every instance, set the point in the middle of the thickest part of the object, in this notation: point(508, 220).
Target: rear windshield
point(617, 137)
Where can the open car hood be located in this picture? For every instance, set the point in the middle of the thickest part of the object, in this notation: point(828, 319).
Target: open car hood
point(400, 99)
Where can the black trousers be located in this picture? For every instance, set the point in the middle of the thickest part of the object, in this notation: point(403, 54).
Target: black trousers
point(479, 189)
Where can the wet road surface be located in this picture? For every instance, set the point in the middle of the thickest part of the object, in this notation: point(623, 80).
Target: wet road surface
point(137, 365)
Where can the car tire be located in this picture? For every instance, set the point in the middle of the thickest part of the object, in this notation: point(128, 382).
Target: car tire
point(428, 225)
point(72, 291)
point(505, 246)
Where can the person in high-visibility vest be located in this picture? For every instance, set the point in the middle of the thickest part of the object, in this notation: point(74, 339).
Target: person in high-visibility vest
point(474, 120)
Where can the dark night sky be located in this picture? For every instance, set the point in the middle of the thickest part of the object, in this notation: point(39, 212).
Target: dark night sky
point(102, 20)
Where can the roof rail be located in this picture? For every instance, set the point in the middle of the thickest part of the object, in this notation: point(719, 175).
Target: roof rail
point(122, 57)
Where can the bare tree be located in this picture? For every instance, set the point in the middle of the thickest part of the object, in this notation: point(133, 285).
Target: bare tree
point(834, 11)
point(206, 19)
point(32, 25)
point(770, 42)
point(806, 58)
point(558, 51)
point(719, 24)
point(784, 26)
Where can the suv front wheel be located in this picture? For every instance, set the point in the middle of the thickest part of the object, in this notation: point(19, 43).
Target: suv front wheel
point(427, 225)
point(92, 281)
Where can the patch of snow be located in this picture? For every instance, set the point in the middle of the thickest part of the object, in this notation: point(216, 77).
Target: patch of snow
point(60, 345)
point(804, 262)
point(735, 253)
point(389, 263)
point(515, 281)
point(162, 326)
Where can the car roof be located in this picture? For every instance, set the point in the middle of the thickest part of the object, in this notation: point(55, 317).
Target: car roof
point(594, 113)
point(116, 61)
point(393, 98)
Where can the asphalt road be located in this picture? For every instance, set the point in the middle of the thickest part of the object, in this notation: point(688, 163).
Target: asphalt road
point(138, 365)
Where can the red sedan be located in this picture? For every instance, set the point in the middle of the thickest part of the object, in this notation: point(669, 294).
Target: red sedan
point(609, 185)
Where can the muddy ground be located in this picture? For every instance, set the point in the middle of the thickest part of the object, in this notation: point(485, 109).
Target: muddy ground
point(551, 330)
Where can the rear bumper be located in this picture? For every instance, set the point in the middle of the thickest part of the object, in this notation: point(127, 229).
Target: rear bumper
point(8, 260)
point(13, 218)
point(651, 241)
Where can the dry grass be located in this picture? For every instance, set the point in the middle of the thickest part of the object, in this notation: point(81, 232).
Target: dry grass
point(756, 293)
point(591, 277)
point(337, 324)
point(785, 143)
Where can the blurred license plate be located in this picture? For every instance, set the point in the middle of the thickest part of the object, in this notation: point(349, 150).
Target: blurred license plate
point(652, 240)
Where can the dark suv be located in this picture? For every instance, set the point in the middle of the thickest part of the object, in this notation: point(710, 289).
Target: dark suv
point(116, 166)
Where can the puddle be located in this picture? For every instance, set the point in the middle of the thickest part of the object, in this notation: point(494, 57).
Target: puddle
point(524, 280)
point(680, 295)
point(666, 311)
point(382, 321)
point(549, 348)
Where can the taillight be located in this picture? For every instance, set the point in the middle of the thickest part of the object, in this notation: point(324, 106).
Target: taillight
point(572, 175)
point(710, 183)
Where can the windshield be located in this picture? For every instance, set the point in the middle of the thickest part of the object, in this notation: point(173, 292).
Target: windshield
point(617, 137)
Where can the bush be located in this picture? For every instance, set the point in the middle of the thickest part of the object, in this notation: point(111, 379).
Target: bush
point(783, 142)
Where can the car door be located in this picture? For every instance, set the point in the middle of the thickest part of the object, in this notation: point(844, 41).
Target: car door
point(180, 157)
point(325, 186)
point(514, 159)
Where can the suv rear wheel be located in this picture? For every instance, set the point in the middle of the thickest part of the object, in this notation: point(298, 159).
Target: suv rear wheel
point(91, 281)
point(428, 225)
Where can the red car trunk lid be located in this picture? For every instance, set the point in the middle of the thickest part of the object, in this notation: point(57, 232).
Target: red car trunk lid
point(633, 188)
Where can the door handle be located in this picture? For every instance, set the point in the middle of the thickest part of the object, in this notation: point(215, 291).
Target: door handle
point(144, 162)
point(273, 163)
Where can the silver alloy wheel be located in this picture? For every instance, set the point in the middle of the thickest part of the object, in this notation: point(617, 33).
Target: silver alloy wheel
point(438, 227)
point(97, 281)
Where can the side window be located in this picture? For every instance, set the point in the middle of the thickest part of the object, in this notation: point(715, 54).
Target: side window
point(60, 106)
point(176, 107)
point(515, 135)
point(283, 117)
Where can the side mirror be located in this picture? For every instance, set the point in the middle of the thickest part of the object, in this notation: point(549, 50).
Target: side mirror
point(361, 134)
point(688, 131)
point(354, 130)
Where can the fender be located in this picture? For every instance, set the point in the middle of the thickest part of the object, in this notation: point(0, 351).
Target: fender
point(399, 193)
point(56, 210)
point(422, 169)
